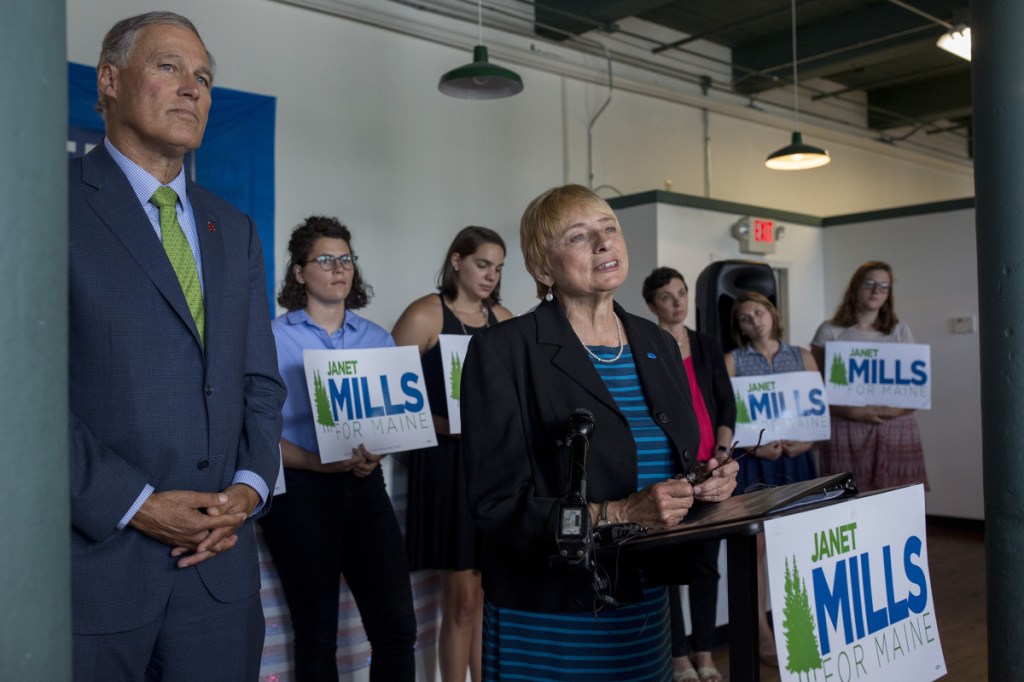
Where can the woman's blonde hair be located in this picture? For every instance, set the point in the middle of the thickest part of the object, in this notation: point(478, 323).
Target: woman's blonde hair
point(544, 219)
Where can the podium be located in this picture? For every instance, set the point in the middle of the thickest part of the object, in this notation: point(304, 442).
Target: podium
point(737, 520)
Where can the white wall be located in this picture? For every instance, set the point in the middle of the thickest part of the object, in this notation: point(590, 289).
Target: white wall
point(690, 239)
point(934, 261)
point(362, 133)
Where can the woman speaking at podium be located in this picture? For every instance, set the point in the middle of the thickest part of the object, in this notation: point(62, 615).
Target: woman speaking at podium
point(522, 380)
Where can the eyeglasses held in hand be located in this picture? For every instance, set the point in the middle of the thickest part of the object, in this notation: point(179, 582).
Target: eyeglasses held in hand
point(701, 473)
point(327, 262)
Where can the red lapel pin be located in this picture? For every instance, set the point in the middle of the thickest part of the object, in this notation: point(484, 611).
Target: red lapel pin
point(210, 227)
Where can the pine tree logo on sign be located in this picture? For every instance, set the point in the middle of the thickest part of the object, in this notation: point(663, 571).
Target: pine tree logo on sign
point(742, 414)
point(837, 375)
point(456, 377)
point(798, 623)
point(324, 416)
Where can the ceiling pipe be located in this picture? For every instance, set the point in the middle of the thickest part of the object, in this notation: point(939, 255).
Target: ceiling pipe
point(731, 104)
point(593, 120)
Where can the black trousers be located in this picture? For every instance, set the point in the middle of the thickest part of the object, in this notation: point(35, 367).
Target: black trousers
point(703, 601)
point(328, 525)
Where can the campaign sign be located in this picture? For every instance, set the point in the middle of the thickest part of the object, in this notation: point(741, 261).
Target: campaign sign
point(788, 406)
point(453, 354)
point(851, 593)
point(886, 374)
point(370, 396)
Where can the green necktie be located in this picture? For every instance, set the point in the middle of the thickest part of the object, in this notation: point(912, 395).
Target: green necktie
point(180, 254)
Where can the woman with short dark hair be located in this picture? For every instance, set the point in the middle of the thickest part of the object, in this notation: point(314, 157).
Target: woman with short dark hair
point(667, 296)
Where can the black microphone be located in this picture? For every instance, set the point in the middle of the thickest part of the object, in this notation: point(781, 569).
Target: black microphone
point(581, 425)
point(574, 539)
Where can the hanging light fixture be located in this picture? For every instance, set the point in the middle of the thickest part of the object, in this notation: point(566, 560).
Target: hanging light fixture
point(957, 41)
point(797, 155)
point(480, 79)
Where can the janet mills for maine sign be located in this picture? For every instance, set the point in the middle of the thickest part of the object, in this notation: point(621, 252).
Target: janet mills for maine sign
point(788, 406)
point(851, 594)
point(887, 374)
point(372, 396)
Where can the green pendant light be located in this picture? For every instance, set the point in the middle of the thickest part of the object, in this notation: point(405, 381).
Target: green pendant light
point(797, 155)
point(480, 79)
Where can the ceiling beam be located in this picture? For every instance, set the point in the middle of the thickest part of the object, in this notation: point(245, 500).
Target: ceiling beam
point(945, 98)
point(561, 19)
point(828, 46)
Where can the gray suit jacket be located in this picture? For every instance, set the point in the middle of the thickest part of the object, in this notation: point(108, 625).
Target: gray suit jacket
point(520, 382)
point(147, 404)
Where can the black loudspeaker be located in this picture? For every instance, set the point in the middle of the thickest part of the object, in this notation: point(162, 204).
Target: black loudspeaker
point(719, 285)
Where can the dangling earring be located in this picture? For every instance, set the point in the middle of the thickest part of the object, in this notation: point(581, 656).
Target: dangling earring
point(549, 296)
point(456, 267)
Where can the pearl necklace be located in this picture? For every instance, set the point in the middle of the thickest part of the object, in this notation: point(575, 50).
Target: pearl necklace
point(483, 309)
point(622, 346)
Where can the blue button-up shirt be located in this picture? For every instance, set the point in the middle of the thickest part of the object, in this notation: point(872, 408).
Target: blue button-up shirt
point(294, 332)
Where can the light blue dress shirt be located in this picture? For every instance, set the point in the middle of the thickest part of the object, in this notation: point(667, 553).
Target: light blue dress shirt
point(295, 331)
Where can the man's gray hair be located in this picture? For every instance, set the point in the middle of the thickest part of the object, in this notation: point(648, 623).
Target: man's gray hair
point(120, 40)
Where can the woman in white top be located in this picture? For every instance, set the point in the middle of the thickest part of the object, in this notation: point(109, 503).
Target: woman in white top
point(880, 446)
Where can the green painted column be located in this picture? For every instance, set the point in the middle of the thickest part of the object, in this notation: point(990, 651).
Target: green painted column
point(35, 630)
point(998, 92)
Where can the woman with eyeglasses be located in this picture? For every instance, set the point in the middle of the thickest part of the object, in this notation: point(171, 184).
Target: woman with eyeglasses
point(439, 529)
point(880, 446)
point(335, 519)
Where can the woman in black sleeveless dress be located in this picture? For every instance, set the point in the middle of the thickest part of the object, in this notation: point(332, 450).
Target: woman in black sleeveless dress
point(440, 533)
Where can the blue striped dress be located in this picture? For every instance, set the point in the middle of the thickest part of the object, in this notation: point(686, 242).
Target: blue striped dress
point(629, 643)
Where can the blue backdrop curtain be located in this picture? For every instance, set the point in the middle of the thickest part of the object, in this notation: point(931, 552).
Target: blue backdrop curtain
point(236, 161)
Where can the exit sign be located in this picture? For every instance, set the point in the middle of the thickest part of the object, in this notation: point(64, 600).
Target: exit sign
point(763, 231)
point(757, 235)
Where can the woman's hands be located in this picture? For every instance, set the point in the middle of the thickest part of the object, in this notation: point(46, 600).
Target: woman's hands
point(661, 505)
point(776, 449)
point(793, 448)
point(722, 482)
point(362, 463)
point(770, 451)
point(667, 503)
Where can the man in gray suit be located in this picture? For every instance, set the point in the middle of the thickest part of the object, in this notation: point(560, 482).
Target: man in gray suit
point(174, 415)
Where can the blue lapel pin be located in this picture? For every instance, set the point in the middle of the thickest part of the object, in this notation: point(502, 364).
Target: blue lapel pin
point(652, 356)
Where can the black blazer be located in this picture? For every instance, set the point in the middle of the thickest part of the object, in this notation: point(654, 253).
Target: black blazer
point(713, 379)
point(520, 382)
